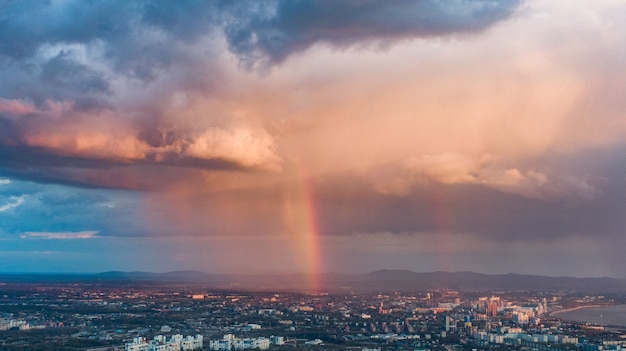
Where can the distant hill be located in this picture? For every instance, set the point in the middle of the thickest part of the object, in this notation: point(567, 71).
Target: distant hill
point(402, 280)
point(384, 280)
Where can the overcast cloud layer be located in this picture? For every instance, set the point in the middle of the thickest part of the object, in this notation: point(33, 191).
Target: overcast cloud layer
point(419, 134)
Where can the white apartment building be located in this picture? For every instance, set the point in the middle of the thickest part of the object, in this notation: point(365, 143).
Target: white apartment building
point(230, 342)
point(161, 343)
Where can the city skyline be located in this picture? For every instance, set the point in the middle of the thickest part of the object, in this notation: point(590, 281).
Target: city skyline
point(313, 136)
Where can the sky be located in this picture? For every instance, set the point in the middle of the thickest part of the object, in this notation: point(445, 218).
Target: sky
point(311, 136)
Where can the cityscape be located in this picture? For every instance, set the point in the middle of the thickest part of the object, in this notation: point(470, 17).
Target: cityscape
point(131, 316)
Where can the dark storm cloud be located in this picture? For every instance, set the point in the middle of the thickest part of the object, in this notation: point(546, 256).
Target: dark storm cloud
point(456, 210)
point(344, 205)
point(43, 166)
point(64, 64)
point(591, 205)
point(40, 42)
point(186, 20)
point(273, 28)
point(26, 25)
point(277, 29)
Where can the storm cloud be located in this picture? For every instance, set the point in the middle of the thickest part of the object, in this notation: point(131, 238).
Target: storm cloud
point(104, 81)
point(277, 29)
point(357, 122)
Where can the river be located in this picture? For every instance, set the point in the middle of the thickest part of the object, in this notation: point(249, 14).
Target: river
point(605, 315)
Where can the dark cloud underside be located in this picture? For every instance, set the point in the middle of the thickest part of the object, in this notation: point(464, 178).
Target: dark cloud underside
point(64, 60)
point(256, 29)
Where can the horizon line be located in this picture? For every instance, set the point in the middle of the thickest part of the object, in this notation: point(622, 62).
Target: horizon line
point(75, 273)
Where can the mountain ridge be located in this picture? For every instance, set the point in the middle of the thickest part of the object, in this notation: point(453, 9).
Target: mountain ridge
point(381, 280)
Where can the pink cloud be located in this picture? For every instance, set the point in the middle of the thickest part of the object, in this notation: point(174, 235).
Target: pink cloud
point(16, 107)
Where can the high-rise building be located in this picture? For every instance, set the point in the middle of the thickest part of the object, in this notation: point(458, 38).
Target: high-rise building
point(492, 309)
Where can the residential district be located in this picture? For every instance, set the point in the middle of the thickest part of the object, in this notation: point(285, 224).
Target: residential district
point(101, 317)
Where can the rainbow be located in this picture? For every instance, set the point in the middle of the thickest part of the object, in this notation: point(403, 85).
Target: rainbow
point(312, 237)
point(442, 223)
point(304, 227)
